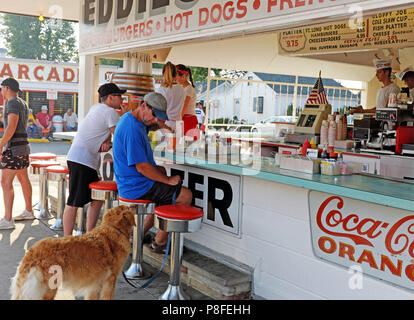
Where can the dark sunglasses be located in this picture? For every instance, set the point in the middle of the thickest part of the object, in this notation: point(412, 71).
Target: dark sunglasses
point(152, 109)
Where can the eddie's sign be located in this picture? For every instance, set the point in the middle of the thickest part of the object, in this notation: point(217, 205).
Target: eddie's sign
point(105, 23)
point(350, 232)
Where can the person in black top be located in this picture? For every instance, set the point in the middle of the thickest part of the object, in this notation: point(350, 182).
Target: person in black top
point(15, 148)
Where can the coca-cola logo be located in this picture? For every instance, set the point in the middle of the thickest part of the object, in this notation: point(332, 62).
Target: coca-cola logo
point(398, 236)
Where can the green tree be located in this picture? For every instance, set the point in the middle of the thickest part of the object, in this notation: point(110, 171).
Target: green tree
point(29, 38)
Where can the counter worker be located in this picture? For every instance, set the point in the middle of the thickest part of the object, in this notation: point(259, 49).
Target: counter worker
point(383, 74)
point(137, 176)
point(407, 75)
point(93, 136)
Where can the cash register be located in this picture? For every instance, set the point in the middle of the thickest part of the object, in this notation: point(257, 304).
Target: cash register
point(309, 123)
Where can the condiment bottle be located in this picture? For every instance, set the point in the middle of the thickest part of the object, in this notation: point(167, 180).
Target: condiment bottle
point(345, 126)
point(313, 143)
point(305, 147)
point(324, 154)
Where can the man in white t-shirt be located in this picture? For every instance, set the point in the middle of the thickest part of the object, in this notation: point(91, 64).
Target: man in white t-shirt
point(70, 121)
point(94, 136)
point(383, 74)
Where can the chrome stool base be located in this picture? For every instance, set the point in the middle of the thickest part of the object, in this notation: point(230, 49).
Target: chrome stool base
point(135, 272)
point(173, 293)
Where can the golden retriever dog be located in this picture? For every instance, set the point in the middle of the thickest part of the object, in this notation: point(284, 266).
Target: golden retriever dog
point(88, 264)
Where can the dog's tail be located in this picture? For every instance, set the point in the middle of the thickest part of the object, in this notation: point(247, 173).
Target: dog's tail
point(28, 286)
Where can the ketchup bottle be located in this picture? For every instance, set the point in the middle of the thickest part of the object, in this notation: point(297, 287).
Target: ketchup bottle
point(305, 147)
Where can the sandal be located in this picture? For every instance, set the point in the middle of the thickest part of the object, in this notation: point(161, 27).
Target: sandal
point(148, 238)
point(158, 248)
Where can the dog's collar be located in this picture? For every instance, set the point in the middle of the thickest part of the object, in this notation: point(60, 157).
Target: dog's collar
point(120, 231)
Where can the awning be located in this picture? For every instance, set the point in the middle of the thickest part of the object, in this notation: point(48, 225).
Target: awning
point(60, 9)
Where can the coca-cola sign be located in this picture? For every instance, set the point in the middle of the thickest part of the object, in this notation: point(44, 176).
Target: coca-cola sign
point(378, 239)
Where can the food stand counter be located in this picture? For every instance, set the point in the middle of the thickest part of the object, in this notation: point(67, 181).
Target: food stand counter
point(304, 236)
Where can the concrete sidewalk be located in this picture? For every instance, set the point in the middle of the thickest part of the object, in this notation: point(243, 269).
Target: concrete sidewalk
point(15, 243)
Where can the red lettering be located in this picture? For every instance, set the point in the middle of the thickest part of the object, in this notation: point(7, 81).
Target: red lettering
point(23, 71)
point(6, 71)
point(334, 218)
point(129, 32)
point(135, 35)
point(322, 244)
point(346, 249)
point(203, 16)
point(299, 3)
point(385, 261)
point(68, 75)
point(401, 240)
point(141, 30)
point(149, 27)
point(186, 15)
point(36, 73)
point(289, 2)
point(178, 21)
point(53, 75)
point(168, 23)
point(228, 11)
point(270, 4)
point(409, 272)
point(367, 256)
point(217, 8)
point(241, 6)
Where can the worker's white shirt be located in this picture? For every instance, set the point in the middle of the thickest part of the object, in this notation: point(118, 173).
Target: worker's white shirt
point(384, 93)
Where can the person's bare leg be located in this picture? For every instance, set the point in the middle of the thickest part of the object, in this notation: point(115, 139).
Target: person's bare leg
point(69, 218)
point(7, 178)
point(24, 180)
point(93, 214)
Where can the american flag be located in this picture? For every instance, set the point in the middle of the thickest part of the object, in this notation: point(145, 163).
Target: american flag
point(317, 95)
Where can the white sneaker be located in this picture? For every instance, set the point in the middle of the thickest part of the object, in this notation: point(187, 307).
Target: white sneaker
point(25, 215)
point(5, 224)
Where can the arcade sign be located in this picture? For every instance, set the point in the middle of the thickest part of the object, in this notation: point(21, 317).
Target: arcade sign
point(378, 239)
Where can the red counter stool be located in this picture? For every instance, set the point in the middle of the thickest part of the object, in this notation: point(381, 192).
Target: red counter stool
point(39, 167)
point(58, 173)
point(176, 219)
point(140, 208)
point(41, 156)
point(105, 191)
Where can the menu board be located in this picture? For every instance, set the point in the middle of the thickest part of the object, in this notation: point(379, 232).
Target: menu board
point(384, 30)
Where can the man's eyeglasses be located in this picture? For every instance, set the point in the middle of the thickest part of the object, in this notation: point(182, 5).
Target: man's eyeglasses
point(152, 109)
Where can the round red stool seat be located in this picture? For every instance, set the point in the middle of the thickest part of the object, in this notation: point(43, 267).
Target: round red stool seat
point(57, 169)
point(178, 212)
point(44, 164)
point(137, 201)
point(104, 185)
point(42, 156)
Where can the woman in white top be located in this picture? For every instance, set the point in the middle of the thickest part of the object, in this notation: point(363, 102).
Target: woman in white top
point(173, 93)
point(188, 112)
point(185, 79)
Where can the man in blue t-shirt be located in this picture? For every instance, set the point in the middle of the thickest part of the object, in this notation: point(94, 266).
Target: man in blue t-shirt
point(137, 176)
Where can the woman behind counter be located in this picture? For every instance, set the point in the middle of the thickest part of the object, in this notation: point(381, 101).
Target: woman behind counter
point(173, 93)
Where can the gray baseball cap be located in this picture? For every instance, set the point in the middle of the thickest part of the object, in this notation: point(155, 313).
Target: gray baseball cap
point(156, 100)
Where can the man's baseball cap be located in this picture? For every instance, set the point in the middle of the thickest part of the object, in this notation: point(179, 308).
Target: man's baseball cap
point(11, 83)
point(44, 108)
point(158, 103)
point(109, 88)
